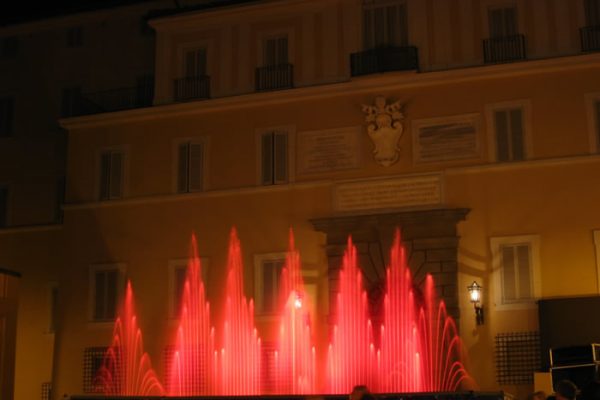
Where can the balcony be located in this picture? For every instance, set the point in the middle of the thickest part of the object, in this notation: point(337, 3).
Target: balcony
point(590, 38)
point(192, 88)
point(274, 77)
point(384, 59)
point(114, 100)
point(504, 49)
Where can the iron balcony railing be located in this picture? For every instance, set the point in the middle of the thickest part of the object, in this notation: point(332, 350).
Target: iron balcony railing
point(274, 77)
point(590, 38)
point(192, 88)
point(504, 49)
point(384, 59)
point(114, 100)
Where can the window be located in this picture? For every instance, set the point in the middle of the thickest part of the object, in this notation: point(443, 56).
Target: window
point(93, 358)
point(509, 127)
point(9, 47)
point(7, 111)
point(516, 270)
point(509, 135)
point(60, 199)
point(71, 99)
point(177, 275)
point(111, 175)
point(384, 23)
point(53, 307)
point(274, 158)
point(592, 12)
point(190, 167)
point(517, 357)
point(105, 287)
point(3, 206)
point(275, 51)
point(502, 21)
point(195, 63)
point(75, 37)
point(267, 274)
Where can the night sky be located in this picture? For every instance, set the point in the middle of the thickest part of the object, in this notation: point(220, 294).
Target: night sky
point(23, 11)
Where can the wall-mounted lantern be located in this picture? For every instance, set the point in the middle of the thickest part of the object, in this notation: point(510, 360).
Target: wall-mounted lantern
point(475, 298)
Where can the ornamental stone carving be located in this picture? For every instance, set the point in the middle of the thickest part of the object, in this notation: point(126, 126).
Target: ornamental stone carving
point(385, 129)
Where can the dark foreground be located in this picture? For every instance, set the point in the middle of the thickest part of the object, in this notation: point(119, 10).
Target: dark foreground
point(384, 396)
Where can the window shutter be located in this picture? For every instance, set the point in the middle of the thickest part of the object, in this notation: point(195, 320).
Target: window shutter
point(281, 158)
point(592, 12)
point(282, 50)
point(196, 166)
point(502, 139)
point(510, 21)
point(190, 64)
point(6, 116)
point(368, 41)
point(270, 51)
point(116, 175)
point(111, 293)
point(201, 62)
point(268, 286)
point(379, 26)
point(508, 274)
point(267, 159)
point(3, 207)
point(402, 29)
point(524, 278)
point(180, 275)
point(392, 34)
point(100, 294)
point(496, 21)
point(105, 176)
point(516, 132)
point(598, 124)
point(182, 167)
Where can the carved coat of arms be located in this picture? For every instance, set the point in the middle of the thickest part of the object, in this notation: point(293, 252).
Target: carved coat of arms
point(385, 129)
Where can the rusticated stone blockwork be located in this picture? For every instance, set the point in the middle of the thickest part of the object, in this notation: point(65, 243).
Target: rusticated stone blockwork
point(429, 237)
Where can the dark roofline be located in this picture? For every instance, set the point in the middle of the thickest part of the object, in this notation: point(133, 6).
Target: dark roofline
point(208, 5)
point(52, 9)
point(10, 272)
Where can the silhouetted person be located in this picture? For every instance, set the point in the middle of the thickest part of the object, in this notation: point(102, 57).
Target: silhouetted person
point(539, 395)
point(565, 390)
point(358, 392)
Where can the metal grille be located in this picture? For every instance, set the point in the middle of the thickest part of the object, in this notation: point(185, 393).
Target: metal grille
point(46, 390)
point(92, 361)
point(517, 357)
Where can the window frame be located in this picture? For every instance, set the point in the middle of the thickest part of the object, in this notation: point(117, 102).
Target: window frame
point(490, 113)
point(592, 100)
point(120, 290)
point(259, 261)
point(262, 38)
point(202, 140)
point(124, 150)
point(177, 264)
point(375, 4)
point(291, 160)
point(6, 211)
point(74, 37)
point(11, 132)
point(183, 49)
point(496, 244)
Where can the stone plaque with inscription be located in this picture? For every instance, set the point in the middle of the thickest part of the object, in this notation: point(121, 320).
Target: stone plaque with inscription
point(446, 139)
point(328, 150)
point(391, 193)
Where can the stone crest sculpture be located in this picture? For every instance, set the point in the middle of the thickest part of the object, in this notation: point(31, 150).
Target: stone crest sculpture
point(385, 129)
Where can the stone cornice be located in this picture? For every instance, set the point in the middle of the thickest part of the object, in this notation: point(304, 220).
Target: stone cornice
point(372, 84)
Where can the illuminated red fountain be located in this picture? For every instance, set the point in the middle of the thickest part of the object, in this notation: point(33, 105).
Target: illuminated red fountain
point(192, 367)
point(239, 359)
point(417, 348)
point(420, 348)
point(351, 358)
point(127, 369)
point(295, 357)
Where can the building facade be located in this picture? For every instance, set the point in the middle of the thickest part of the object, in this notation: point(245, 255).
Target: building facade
point(473, 125)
